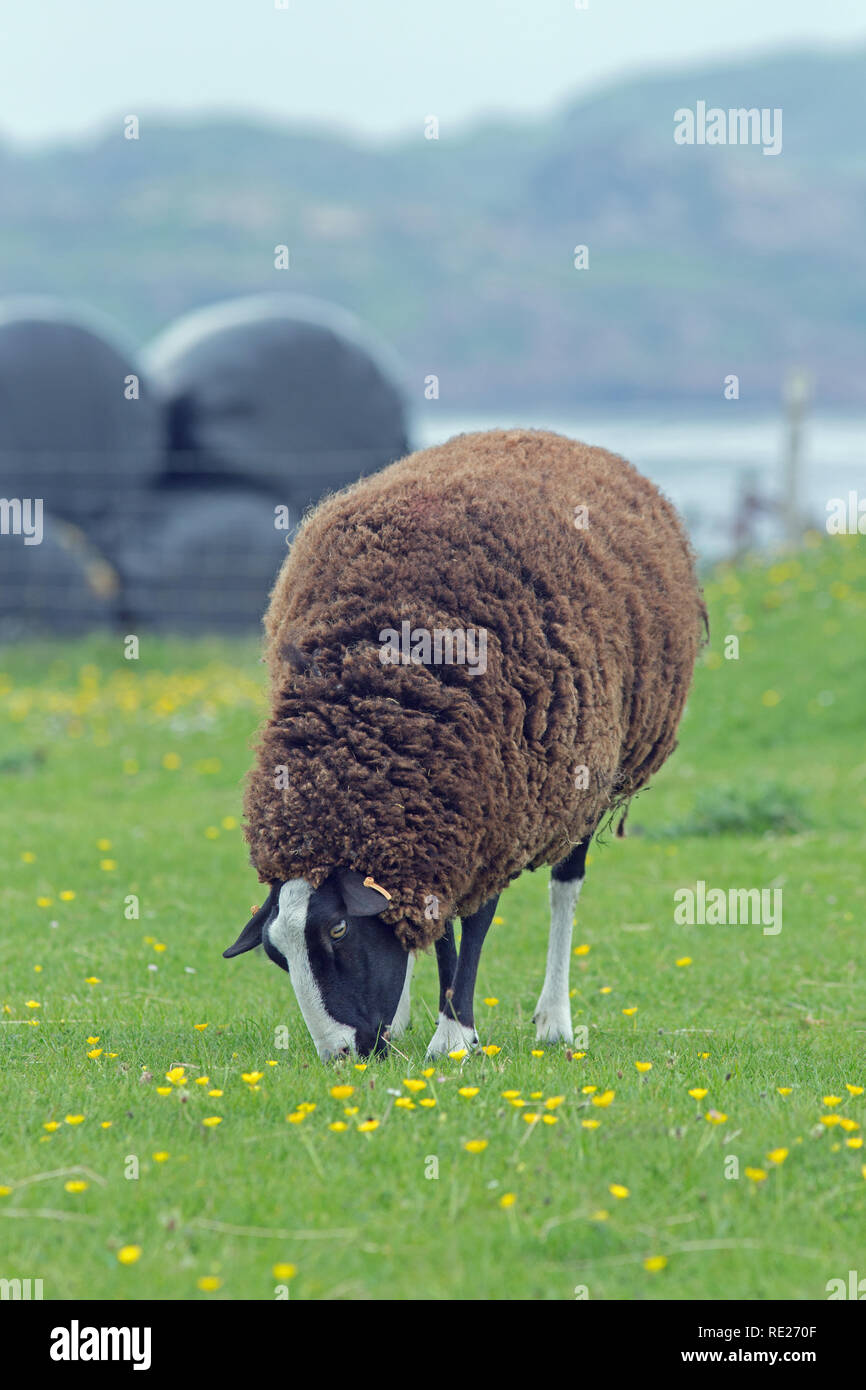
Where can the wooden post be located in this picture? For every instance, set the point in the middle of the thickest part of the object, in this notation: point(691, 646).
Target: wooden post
point(797, 394)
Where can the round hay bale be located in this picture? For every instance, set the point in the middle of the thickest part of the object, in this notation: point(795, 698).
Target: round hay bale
point(282, 391)
point(54, 582)
point(195, 561)
point(68, 431)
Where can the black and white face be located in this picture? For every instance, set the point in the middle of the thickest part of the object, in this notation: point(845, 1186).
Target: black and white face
point(347, 966)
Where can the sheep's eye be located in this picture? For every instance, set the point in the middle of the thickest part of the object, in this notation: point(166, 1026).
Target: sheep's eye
point(339, 931)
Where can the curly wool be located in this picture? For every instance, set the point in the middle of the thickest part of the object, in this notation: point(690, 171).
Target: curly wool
point(440, 784)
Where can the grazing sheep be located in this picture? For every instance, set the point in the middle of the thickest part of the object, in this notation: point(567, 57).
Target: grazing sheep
point(392, 792)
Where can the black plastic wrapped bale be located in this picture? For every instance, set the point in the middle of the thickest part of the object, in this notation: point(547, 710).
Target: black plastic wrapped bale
point(71, 428)
point(282, 391)
point(52, 579)
point(197, 560)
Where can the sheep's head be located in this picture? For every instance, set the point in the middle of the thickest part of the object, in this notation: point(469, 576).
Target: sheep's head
point(347, 966)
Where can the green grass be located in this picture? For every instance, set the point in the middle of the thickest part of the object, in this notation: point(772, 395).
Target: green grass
point(767, 788)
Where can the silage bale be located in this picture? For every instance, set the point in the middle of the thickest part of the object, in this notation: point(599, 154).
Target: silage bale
point(282, 391)
point(197, 561)
point(69, 431)
point(59, 583)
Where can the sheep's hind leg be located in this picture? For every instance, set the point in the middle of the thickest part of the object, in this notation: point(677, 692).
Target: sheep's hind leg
point(456, 1027)
point(552, 1015)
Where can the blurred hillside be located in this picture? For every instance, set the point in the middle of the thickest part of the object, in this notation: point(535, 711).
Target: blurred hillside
point(703, 260)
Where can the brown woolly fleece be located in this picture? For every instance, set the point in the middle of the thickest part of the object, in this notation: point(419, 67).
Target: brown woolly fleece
point(440, 784)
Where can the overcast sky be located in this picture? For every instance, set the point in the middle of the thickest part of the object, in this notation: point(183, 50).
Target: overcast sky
point(375, 67)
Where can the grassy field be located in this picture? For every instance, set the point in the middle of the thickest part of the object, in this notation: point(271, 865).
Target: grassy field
point(711, 1046)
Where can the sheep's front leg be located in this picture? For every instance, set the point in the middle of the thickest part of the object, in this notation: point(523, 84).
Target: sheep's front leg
point(552, 1015)
point(456, 1028)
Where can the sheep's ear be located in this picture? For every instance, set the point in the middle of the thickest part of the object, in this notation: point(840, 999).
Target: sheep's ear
point(251, 935)
point(361, 900)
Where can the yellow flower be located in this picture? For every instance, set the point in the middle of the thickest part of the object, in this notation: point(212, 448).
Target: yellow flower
point(350, 1109)
point(550, 1119)
point(215, 1092)
point(855, 1090)
point(854, 1143)
point(655, 1263)
point(297, 1117)
point(532, 1119)
point(683, 960)
point(360, 1066)
point(644, 1066)
point(770, 698)
point(777, 1155)
point(458, 1054)
point(200, 1027)
point(306, 1107)
point(51, 1125)
point(212, 1120)
point(161, 1156)
point(784, 1090)
point(600, 1216)
point(74, 1119)
point(163, 1090)
point(44, 902)
point(28, 856)
point(588, 1090)
point(212, 833)
point(171, 761)
point(491, 1050)
point(756, 1174)
point(491, 1002)
point(5, 1191)
point(342, 1092)
point(66, 895)
point(606, 989)
point(832, 1100)
point(105, 1124)
point(413, 1085)
point(367, 1126)
point(616, 1189)
point(428, 1102)
point(32, 1004)
point(581, 950)
point(108, 865)
point(283, 1271)
point(604, 1099)
point(103, 845)
point(553, 1101)
point(338, 1126)
point(848, 1124)
point(93, 980)
point(76, 1185)
point(202, 1080)
point(251, 1077)
point(510, 1095)
point(715, 1117)
point(590, 1124)
point(128, 1254)
point(831, 1119)
point(507, 1199)
point(228, 823)
point(94, 1053)
point(475, 1146)
point(517, 1102)
point(405, 1103)
point(208, 1283)
point(429, 1071)
point(93, 1041)
point(537, 1052)
point(468, 1092)
point(698, 1092)
point(630, 1012)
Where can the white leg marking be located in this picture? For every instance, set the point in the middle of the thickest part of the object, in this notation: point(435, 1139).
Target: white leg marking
point(552, 1015)
point(288, 933)
point(401, 1018)
point(450, 1036)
